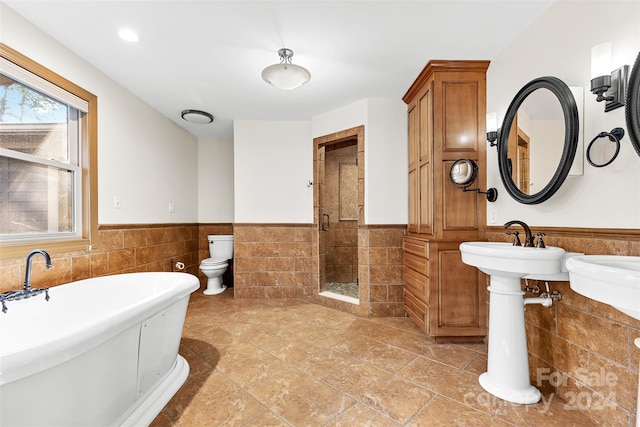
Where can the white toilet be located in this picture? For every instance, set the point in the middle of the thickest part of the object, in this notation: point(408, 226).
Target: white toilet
point(220, 252)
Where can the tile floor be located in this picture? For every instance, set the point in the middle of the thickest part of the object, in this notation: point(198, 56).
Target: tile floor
point(266, 363)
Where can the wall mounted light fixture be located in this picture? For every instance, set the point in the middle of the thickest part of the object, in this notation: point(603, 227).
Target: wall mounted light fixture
point(608, 86)
point(492, 129)
point(285, 75)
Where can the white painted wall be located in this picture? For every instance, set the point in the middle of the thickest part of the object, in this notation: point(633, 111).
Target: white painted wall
point(386, 156)
point(215, 181)
point(386, 163)
point(143, 158)
point(273, 164)
point(559, 44)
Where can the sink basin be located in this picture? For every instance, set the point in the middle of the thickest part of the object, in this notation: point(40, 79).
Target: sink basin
point(610, 279)
point(506, 260)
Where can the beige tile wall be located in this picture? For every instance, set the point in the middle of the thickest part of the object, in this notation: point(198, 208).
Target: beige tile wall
point(121, 249)
point(273, 260)
point(580, 349)
point(281, 261)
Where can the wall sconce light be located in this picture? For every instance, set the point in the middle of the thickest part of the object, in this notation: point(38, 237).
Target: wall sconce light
point(463, 174)
point(609, 86)
point(492, 129)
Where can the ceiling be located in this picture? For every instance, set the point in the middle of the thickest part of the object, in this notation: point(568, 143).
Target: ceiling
point(208, 55)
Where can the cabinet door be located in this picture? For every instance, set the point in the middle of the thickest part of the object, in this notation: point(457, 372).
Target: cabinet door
point(414, 188)
point(425, 209)
point(460, 296)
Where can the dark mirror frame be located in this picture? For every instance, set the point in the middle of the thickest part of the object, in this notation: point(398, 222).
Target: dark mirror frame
point(571, 123)
point(632, 109)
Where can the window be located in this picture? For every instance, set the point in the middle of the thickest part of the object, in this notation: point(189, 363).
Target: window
point(47, 159)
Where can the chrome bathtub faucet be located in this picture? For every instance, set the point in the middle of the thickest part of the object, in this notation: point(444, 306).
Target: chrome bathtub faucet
point(26, 291)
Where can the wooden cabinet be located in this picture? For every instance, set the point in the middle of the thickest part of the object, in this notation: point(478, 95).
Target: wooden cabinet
point(446, 119)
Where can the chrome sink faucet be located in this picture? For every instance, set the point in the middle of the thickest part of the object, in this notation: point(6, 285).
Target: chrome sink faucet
point(528, 239)
point(26, 291)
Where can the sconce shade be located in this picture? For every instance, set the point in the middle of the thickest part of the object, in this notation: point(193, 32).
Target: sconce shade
point(601, 60)
point(492, 128)
point(286, 75)
point(492, 122)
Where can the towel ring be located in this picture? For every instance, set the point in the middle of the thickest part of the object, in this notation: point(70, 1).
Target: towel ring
point(615, 135)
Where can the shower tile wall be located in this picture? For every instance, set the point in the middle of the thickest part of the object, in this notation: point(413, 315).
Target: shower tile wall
point(580, 349)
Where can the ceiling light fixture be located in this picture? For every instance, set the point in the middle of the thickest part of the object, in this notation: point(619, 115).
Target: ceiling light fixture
point(197, 116)
point(285, 75)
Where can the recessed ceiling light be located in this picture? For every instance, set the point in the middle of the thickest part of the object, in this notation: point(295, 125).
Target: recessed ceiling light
point(128, 35)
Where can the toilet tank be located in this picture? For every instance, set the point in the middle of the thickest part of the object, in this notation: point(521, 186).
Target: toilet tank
point(220, 246)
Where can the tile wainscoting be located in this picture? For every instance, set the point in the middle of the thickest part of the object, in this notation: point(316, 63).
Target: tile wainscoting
point(580, 349)
point(121, 249)
point(281, 261)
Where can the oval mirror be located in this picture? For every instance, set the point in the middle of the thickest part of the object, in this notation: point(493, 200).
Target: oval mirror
point(538, 140)
point(632, 108)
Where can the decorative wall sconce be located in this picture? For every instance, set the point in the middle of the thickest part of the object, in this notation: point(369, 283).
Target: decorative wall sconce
point(492, 129)
point(463, 174)
point(609, 86)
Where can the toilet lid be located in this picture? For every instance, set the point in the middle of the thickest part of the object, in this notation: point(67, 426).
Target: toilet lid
point(213, 261)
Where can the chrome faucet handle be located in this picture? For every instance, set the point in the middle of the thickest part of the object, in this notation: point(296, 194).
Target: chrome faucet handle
point(540, 243)
point(516, 239)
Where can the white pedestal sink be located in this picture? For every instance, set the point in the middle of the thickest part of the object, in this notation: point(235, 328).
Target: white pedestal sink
point(507, 375)
point(610, 279)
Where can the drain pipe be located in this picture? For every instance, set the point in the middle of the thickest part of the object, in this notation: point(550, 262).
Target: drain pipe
point(545, 299)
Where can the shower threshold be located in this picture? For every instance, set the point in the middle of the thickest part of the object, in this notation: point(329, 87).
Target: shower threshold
point(347, 292)
point(340, 297)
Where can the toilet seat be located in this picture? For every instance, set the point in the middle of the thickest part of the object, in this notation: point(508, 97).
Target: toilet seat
point(213, 262)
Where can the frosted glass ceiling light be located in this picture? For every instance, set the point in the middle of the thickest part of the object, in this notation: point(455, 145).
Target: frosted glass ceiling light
point(285, 75)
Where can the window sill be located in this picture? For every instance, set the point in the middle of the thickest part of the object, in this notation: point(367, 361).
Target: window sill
point(22, 249)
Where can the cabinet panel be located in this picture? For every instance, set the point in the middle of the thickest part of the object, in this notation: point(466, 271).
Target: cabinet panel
point(414, 198)
point(425, 208)
point(413, 136)
point(426, 125)
point(458, 296)
point(460, 209)
point(460, 101)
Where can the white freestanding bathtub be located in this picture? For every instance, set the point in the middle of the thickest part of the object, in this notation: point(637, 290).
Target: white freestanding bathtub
point(100, 352)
